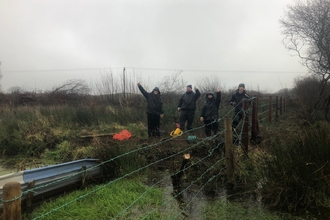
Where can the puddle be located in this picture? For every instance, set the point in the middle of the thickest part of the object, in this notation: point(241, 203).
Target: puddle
point(182, 202)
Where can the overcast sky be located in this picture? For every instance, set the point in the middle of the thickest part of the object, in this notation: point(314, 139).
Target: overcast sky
point(46, 42)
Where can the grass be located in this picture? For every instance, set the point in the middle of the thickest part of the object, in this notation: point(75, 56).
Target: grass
point(291, 163)
point(222, 209)
point(295, 173)
point(114, 200)
point(228, 210)
point(106, 203)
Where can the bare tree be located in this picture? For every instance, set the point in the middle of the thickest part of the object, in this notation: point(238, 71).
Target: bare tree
point(173, 83)
point(71, 90)
point(74, 86)
point(306, 26)
point(107, 86)
point(211, 83)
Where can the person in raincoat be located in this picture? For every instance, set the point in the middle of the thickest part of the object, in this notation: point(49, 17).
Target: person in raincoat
point(154, 110)
point(236, 101)
point(210, 114)
point(187, 107)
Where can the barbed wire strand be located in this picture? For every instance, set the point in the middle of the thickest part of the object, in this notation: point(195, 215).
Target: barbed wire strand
point(112, 159)
point(126, 175)
point(136, 150)
point(191, 184)
point(168, 176)
point(200, 190)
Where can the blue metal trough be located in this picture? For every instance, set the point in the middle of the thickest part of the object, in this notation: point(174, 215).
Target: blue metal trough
point(50, 178)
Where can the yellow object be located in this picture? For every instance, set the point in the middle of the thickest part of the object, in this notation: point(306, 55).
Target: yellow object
point(177, 132)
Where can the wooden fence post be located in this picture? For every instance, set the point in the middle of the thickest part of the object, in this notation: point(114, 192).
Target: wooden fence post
point(83, 177)
point(276, 108)
point(245, 132)
point(12, 201)
point(229, 148)
point(29, 196)
point(270, 109)
point(255, 122)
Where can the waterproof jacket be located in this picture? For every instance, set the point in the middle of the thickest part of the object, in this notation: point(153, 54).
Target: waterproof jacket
point(188, 100)
point(237, 98)
point(155, 104)
point(211, 107)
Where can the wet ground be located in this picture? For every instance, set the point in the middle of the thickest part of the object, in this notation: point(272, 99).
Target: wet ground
point(194, 198)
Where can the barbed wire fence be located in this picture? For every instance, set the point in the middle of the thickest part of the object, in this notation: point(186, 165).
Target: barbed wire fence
point(273, 109)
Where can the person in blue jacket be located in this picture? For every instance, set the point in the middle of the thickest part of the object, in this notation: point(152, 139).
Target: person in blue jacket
point(210, 114)
point(154, 110)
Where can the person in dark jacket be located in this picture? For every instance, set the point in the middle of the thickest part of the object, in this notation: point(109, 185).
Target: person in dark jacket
point(187, 106)
point(154, 110)
point(209, 113)
point(236, 101)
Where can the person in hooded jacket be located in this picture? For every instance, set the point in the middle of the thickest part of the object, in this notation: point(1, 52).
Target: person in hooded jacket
point(187, 106)
point(154, 110)
point(209, 113)
point(236, 101)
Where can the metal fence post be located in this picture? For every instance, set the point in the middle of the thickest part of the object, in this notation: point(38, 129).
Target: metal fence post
point(255, 122)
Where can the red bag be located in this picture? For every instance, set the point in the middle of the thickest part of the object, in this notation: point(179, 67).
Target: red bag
point(123, 135)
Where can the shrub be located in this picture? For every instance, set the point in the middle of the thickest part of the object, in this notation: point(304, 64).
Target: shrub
point(297, 174)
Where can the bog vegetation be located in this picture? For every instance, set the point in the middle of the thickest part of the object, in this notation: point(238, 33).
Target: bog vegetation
point(288, 171)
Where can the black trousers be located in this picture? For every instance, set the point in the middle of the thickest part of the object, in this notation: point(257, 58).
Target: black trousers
point(209, 127)
point(237, 117)
point(153, 125)
point(186, 116)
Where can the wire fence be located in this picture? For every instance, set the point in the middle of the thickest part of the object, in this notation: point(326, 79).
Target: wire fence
point(237, 131)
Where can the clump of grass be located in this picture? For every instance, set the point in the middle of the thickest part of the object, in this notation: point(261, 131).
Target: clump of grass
point(121, 157)
point(246, 168)
point(25, 132)
point(296, 176)
point(63, 152)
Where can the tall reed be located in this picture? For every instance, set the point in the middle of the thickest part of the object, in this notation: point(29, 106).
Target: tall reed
point(297, 174)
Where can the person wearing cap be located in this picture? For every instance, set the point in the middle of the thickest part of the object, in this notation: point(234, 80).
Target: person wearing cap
point(209, 113)
point(236, 101)
point(187, 107)
point(154, 110)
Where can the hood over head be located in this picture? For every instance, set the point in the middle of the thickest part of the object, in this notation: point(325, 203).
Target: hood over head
point(209, 93)
point(156, 89)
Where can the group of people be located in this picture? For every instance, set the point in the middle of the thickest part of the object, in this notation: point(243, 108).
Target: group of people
point(187, 107)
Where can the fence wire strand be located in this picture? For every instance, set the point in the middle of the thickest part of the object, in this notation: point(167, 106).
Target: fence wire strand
point(238, 135)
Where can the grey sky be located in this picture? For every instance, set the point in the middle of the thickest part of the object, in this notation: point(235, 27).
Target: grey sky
point(238, 40)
